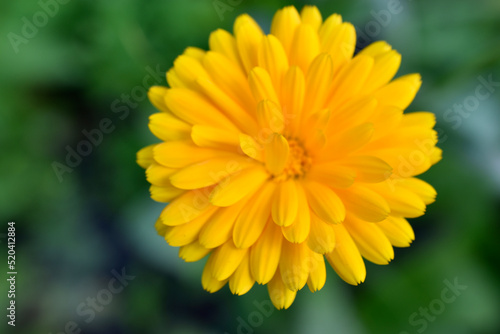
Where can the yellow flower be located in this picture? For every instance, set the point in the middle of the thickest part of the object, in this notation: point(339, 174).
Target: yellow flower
point(282, 150)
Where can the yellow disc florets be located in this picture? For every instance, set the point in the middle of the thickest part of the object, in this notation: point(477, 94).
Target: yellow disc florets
point(299, 162)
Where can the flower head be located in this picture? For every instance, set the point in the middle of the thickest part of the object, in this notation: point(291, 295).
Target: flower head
point(280, 151)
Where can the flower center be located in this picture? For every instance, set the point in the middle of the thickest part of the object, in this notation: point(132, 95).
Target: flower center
point(298, 162)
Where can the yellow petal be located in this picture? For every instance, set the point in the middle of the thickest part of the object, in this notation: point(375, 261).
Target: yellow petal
point(248, 38)
point(265, 254)
point(348, 141)
point(385, 67)
point(219, 228)
point(193, 252)
point(230, 78)
point(318, 121)
point(293, 94)
point(424, 190)
point(185, 208)
point(234, 188)
point(350, 79)
point(312, 16)
point(164, 193)
point(226, 259)
point(402, 202)
point(317, 273)
point(251, 148)
point(284, 24)
point(365, 203)
point(376, 48)
point(397, 230)
point(209, 172)
point(285, 203)
point(156, 95)
point(327, 32)
point(261, 85)
point(346, 259)
point(224, 43)
point(187, 233)
point(299, 230)
point(321, 237)
point(167, 127)
point(276, 153)
point(194, 109)
point(174, 81)
point(227, 105)
point(145, 156)
point(273, 58)
point(188, 69)
point(400, 92)
point(436, 155)
point(270, 117)
point(354, 112)
point(405, 161)
point(254, 217)
point(280, 295)
point(305, 47)
point(368, 169)
point(414, 136)
point(421, 118)
point(338, 39)
point(207, 136)
point(332, 175)
point(242, 281)
point(178, 154)
point(318, 82)
point(324, 202)
point(316, 140)
point(161, 228)
point(371, 241)
point(385, 119)
point(210, 283)
point(294, 265)
point(194, 52)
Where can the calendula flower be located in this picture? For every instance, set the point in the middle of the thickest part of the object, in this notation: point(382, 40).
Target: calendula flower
point(282, 150)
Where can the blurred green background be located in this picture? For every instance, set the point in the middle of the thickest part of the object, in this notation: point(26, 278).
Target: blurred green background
point(83, 60)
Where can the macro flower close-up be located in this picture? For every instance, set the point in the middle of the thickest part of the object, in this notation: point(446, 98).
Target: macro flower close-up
point(286, 152)
point(250, 167)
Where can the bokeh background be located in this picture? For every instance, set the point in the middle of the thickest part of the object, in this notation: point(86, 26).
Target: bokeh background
point(66, 75)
